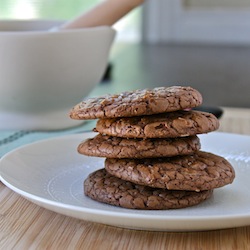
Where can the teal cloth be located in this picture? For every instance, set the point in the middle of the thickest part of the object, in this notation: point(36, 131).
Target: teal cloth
point(12, 139)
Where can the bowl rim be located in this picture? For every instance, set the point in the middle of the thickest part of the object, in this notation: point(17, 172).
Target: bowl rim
point(20, 23)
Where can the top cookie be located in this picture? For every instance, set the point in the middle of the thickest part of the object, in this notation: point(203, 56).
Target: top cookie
point(137, 103)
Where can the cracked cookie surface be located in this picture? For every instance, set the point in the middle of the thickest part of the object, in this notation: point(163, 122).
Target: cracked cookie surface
point(103, 187)
point(200, 171)
point(138, 102)
point(117, 147)
point(174, 124)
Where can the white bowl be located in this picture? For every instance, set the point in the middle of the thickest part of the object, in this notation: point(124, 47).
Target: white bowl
point(44, 73)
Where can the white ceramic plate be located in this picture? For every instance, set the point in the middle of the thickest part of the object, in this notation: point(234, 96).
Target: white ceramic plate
point(50, 173)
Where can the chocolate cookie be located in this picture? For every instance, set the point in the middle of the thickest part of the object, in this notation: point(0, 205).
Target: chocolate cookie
point(174, 124)
point(117, 147)
point(200, 171)
point(105, 188)
point(138, 102)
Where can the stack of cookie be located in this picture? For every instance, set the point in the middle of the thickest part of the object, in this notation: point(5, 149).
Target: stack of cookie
point(153, 158)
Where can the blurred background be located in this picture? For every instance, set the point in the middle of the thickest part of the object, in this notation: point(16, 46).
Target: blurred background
point(129, 27)
point(202, 43)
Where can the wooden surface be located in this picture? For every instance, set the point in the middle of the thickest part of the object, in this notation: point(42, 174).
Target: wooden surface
point(25, 225)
